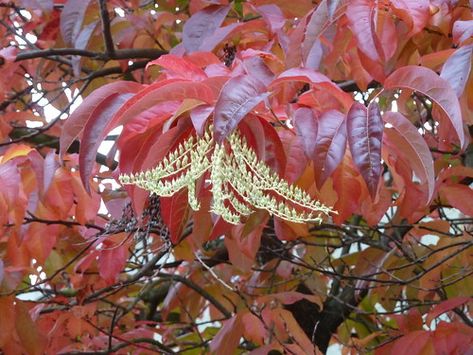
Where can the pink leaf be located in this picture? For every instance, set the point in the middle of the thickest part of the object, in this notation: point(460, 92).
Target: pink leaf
point(178, 67)
point(456, 69)
point(238, 97)
point(10, 178)
point(44, 5)
point(94, 131)
point(430, 84)
point(2, 271)
point(72, 17)
point(220, 34)
point(201, 25)
point(462, 30)
point(331, 144)
point(332, 6)
point(446, 306)
point(302, 74)
point(306, 128)
point(365, 133)
point(415, 13)
point(361, 17)
point(316, 25)
point(168, 90)
point(411, 144)
point(273, 15)
point(314, 78)
point(90, 107)
point(49, 169)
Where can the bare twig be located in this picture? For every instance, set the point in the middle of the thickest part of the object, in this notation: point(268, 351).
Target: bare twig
point(107, 34)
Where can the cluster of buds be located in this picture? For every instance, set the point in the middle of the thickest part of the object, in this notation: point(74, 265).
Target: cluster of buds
point(240, 181)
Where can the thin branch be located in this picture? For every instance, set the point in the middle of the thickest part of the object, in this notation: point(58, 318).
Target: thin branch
point(199, 290)
point(107, 33)
point(15, 97)
point(34, 219)
point(150, 53)
point(44, 53)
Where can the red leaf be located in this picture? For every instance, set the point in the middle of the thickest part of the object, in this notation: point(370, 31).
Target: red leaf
point(453, 338)
point(415, 13)
point(296, 160)
point(111, 260)
point(294, 330)
point(238, 97)
point(456, 69)
point(413, 343)
point(91, 106)
point(315, 78)
point(412, 145)
point(410, 321)
point(95, 131)
point(460, 197)
point(199, 116)
point(142, 132)
point(175, 212)
point(454, 172)
point(7, 310)
point(446, 306)
point(429, 83)
point(151, 154)
point(228, 337)
point(347, 185)
point(462, 30)
point(168, 90)
point(365, 133)
point(179, 68)
point(331, 144)
point(264, 139)
point(72, 16)
point(201, 25)
point(306, 128)
point(361, 17)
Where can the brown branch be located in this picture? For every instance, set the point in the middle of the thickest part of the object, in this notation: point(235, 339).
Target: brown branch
point(44, 53)
point(15, 97)
point(117, 70)
point(199, 290)
point(107, 34)
point(150, 53)
point(34, 219)
point(351, 85)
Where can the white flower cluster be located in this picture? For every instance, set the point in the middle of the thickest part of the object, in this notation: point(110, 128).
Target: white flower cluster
point(240, 182)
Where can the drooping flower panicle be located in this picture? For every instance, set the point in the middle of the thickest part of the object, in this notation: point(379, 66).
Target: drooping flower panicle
point(240, 181)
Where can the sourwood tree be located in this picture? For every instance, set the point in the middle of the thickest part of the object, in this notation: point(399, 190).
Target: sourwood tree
point(248, 177)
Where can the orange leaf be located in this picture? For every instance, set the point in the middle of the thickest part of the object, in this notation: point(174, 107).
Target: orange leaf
point(27, 330)
point(228, 338)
